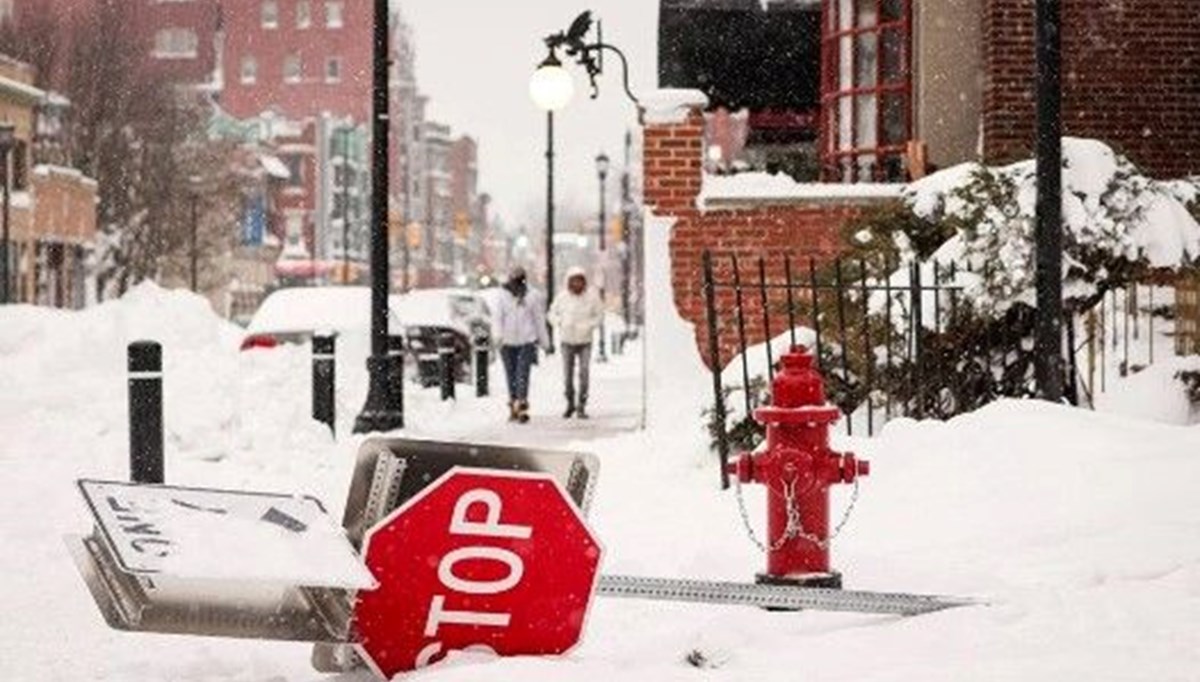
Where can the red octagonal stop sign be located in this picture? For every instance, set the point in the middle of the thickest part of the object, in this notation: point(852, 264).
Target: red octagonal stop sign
point(480, 558)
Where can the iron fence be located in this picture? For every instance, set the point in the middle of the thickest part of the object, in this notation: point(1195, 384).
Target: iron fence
point(897, 341)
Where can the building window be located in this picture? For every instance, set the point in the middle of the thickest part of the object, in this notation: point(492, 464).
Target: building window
point(270, 14)
point(333, 13)
point(249, 72)
point(333, 70)
point(866, 90)
point(175, 43)
point(303, 14)
point(295, 166)
point(292, 70)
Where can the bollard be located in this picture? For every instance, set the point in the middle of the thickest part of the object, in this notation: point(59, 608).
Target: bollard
point(395, 371)
point(482, 344)
point(145, 412)
point(446, 368)
point(324, 379)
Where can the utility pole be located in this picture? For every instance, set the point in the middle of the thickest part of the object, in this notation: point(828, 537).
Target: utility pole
point(1048, 231)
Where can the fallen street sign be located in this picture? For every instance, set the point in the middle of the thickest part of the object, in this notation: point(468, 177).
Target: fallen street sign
point(217, 562)
point(500, 560)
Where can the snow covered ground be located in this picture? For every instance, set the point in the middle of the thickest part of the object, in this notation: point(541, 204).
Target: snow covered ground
point(1081, 529)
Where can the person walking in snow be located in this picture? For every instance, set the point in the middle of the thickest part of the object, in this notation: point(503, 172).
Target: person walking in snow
point(522, 328)
point(576, 313)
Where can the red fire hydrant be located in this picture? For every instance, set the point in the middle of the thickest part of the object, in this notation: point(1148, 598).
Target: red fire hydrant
point(798, 468)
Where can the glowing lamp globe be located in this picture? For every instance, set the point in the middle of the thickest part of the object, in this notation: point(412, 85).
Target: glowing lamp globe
point(551, 86)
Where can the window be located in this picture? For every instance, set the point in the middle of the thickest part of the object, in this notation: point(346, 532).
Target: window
point(249, 71)
point(303, 14)
point(175, 43)
point(270, 14)
point(333, 13)
point(295, 166)
point(292, 71)
point(6, 10)
point(866, 90)
point(333, 70)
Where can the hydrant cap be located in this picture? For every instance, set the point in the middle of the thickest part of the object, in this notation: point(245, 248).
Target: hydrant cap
point(798, 385)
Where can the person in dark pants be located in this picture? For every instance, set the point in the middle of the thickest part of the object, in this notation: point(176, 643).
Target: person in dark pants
point(576, 313)
point(522, 328)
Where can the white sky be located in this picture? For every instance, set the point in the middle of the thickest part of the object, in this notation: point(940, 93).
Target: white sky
point(474, 58)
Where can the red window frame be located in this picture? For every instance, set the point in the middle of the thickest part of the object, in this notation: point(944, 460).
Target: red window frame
point(848, 162)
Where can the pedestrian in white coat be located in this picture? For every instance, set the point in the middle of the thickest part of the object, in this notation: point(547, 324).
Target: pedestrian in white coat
point(576, 313)
point(522, 328)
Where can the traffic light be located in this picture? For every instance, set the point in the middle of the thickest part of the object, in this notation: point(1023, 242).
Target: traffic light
point(616, 230)
point(414, 235)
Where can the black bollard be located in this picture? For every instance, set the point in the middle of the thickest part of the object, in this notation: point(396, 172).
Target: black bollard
point(145, 412)
point(446, 368)
point(395, 371)
point(324, 380)
point(482, 351)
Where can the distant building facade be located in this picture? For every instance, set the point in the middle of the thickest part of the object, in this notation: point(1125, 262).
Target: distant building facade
point(52, 216)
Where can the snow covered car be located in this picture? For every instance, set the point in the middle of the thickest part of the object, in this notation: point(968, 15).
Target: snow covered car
point(436, 318)
point(292, 315)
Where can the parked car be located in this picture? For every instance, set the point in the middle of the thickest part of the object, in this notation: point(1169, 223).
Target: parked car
point(441, 318)
point(293, 314)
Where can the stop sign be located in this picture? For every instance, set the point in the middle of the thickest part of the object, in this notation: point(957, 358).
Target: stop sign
point(480, 558)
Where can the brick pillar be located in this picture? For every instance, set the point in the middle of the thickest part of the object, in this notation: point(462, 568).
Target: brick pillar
point(673, 163)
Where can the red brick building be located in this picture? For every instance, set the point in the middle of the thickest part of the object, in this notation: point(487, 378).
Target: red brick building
point(300, 57)
point(957, 77)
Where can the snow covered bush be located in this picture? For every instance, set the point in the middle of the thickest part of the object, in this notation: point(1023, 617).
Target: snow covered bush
point(972, 227)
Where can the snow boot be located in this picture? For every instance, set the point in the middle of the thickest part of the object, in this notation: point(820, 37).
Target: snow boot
point(523, 411)
point(514, 413)
point(570, 411)
point(582, 412)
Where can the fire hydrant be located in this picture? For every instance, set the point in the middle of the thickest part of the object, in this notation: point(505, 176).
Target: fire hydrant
point(798, 468)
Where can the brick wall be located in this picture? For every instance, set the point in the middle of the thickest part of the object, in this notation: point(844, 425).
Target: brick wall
point(1131, 77)
point(673, 172)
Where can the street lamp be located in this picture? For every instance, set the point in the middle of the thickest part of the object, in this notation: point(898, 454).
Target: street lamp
point(8, 139)
point(382, 410)
point(602, 164)
point(193, 199)
point(551, 88)
point(589, 55)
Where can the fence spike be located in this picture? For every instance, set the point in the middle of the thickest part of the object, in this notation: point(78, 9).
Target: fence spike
point(714, 349)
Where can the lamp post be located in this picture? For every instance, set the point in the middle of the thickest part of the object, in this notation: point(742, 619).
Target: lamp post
point(382, 411)
point(551, 88)
point(1048, 237)
point(193, 199)
point(8, 138)
point(602, 164)
point(626, 201)
point(345, 205)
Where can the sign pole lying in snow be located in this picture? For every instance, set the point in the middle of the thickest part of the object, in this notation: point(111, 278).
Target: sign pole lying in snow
point(493, 554)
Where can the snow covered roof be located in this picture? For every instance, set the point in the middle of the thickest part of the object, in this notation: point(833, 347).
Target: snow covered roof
point(274, 166)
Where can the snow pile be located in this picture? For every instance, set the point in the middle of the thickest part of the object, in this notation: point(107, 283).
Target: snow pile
point(1109, 209)
point(762, 186)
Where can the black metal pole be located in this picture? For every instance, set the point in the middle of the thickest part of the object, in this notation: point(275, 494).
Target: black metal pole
point(482, 345)
point(145, 412)
point(627, 253)
point(345, 206)
point(324, 380)
point(1048, 232)
point(379, 413)
point(550, 220)
point(195, 249)
point(603, 354)
point(5, 276)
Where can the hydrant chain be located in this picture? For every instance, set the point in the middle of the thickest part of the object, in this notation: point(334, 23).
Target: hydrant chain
point(794, 528)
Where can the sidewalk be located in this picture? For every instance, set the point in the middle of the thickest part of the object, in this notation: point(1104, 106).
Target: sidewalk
point(615, 406)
